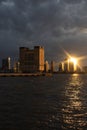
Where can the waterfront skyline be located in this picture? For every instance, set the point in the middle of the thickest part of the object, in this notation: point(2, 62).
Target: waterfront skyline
point(56, 25)
point(33, 60)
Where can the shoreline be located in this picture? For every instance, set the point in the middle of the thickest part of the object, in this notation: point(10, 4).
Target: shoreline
point(24, 74)
point(69, 73)
point(33, 74)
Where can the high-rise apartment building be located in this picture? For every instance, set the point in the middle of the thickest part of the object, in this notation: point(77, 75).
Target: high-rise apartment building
point(31, 60)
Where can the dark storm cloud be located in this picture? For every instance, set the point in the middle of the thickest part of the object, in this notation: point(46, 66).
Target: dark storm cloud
point(51, 23)
point(72, 1)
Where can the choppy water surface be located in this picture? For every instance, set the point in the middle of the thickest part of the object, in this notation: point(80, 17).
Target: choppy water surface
point(44, 103)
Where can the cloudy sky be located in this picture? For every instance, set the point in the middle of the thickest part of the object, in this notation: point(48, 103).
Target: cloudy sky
point(55, 24)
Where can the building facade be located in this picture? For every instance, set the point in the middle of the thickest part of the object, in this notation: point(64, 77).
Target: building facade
point(31, 60)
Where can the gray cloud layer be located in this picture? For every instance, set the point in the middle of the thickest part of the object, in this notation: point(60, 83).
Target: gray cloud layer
point(51, 23)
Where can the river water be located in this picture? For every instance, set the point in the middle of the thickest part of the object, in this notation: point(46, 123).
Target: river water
point(44, 103)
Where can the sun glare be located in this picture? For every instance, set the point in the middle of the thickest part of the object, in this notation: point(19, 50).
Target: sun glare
point(74, 60)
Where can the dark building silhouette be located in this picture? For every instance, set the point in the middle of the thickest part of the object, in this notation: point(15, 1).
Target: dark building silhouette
point(61, 67)
point(52, 66)
point(79, 69)
point(66, 65)
point(31, 60)
point(71, 67)
point(6, 64)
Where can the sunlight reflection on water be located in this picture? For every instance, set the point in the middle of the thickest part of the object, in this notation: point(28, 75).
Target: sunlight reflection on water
point(74, 110)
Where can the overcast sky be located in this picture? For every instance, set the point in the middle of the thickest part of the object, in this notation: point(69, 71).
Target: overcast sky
point(54, 24)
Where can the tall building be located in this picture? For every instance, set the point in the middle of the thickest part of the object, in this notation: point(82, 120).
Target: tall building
point(66, 65)
point(52, 66)
point(46, 66)
point(71, 67)
point(61, 67)
point(6, 64)
point(16, 67)
point(31, 60)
